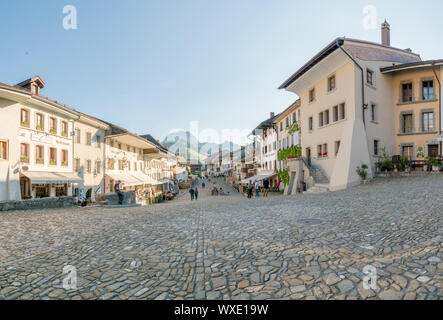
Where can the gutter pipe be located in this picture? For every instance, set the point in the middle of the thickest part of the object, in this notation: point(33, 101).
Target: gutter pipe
point(362, 81)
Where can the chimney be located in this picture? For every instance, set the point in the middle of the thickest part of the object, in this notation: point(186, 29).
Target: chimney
point(33, 84)
point(272, 115)
point(386, 34)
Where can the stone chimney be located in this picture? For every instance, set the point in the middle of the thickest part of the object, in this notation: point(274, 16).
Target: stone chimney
point(272, 115)
point(33, 84)
point(386, 34)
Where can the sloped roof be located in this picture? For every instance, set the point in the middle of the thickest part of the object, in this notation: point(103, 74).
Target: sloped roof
point(154, 141)
point(364, 50)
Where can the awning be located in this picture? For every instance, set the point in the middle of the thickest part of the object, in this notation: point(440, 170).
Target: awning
point(38, 177)
point(145, 178)
point(260, 177)
point(164, 181)
point(127, 179)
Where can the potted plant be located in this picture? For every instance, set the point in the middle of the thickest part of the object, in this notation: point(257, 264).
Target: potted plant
point(435, 164)
point(362, 172)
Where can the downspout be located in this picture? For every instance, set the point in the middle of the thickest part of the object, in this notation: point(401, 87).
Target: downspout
point(362, 81)
point(439, 102)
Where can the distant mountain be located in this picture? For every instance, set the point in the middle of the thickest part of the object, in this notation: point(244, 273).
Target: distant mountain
point(187, 145)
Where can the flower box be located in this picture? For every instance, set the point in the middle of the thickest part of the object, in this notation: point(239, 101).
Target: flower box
point(319, 155)
point(65, 163)
point(292, 157)
point(40, 128)
point(52, 162)
point(25, 123)
point(39, 161)
point(53, 130)
point(64, 134)
point(24, 159)
point(325, 154)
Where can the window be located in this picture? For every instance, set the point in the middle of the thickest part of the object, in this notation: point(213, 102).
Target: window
point(370, 77)
point(407, 152)
point(53, 156)
point(287, 122)
point(325, 150)
point(135, 166)
point(39, 122)
point(326, 117)
point(120, 146)
point(64, 128)
point(3, 150)
point(111, 164)
point(76, 165)
point(98, 167)
point(53, 125)
point(427, 121)
point(407, 92)
point(311, 121)
point(39, 155)
point(376, 149)
point(64, 158)
point(24, 153)
point(294, 117)
point(311, 95)
point(88, 139)
point(407, 123)
point(120, 164)
point(331, 83)
point(373, 112)
point(337, 147)
point(320, 119)
point(428, 90)
point(98, 141)
point(322, 150)
point(281, 126)
point(342, 112)
point(24, 118)
point(88, 166)
point(78, 137)
point(335, 113)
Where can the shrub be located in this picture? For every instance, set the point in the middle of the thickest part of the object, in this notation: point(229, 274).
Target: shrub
point(362, 171)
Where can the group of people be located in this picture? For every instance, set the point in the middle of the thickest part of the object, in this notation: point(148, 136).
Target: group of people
point(256, 186)
point(194, 193)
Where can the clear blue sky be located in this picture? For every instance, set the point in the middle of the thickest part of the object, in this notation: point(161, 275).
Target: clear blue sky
point(152, 66)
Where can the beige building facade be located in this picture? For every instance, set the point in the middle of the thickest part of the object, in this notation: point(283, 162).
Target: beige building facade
point(89, 156)
point(36, 144)
point(348, 109)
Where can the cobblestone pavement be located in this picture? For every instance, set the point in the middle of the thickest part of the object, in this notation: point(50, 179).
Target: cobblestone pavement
point(307, 247)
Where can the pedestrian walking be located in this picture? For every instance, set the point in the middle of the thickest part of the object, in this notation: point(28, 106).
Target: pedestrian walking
point(192, 193)
point(250, 190)
point(265, 187)
point(203, 185)
point(117, 189)
point(196, 193)
point(257, 188)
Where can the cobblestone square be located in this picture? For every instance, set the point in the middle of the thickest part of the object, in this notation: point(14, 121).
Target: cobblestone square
point(314, 246)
